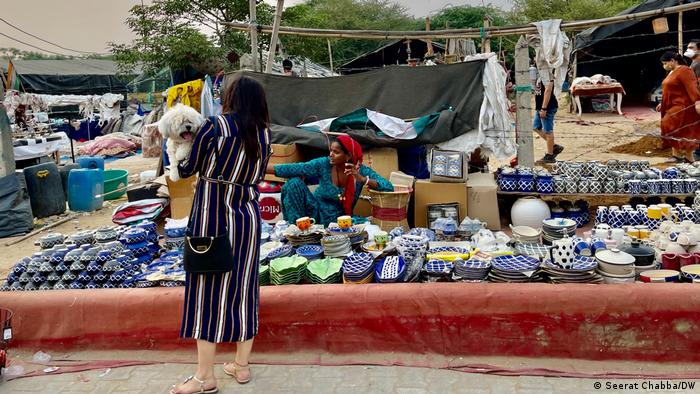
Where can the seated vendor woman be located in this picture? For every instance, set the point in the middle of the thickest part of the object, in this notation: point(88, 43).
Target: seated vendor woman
point(341, 180)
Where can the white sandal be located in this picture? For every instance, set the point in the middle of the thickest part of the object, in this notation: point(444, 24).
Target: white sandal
point(201, 386)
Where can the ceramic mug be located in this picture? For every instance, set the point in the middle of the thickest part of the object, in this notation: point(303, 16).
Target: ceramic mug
point(670, 261)
point(345, 222)
point(381, 239)
point(617, 234)
point(582, 248)
point(655, 212)
point(686, 259)
point(562, 252)
point(601, 231)
point(644, 232)
point(305, 223)
point(597, 244)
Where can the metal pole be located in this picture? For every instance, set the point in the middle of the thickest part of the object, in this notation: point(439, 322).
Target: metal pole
point(275, 34)
point(526, 153)
point(253, 35)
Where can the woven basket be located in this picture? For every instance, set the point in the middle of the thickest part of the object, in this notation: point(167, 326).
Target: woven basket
point(390, 209)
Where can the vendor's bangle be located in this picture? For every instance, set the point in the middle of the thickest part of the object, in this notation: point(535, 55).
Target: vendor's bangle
point(366, 180)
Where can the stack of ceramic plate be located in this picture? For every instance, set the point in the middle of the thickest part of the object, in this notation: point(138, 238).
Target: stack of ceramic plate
point(358, 268)
point(514, 269)
point(297, 238)
point(336, 246)
point(583, 271)
point(691, 273)
point(264, 275)
point(310, 252)
point(266, 248)
point(438, 271)
point(413, 249)
point(287, 270)
point(449, 253)
point(390, 270)
point(553, 229)
point(471, 270)
point(356, 233)
point(660, 276)
point(282, 251)
point(533, 250)
point(324, 271)
point(377, 252)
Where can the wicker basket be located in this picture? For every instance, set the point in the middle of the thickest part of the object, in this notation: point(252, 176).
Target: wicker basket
point(390, 209)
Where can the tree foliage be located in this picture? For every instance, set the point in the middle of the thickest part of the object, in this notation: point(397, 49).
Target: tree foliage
point(176, 33)
point(536, 10)
point(346, 15)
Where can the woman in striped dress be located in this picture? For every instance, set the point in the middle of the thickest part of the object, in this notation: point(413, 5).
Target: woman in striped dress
point(224, 307)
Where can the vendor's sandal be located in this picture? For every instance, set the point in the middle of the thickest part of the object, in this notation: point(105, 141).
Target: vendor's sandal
point(201, 390)
point(236, 370)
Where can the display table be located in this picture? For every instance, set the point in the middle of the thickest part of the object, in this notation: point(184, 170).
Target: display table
point(614, 89)
point(32, 148)
point(654, 322)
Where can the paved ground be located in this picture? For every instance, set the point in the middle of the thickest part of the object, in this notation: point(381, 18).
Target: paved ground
point(313, 379)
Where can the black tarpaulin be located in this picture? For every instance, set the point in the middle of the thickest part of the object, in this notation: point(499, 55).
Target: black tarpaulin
point(71, 76)
point(403, 92)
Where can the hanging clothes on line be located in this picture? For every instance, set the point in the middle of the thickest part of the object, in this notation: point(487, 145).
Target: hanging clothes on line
point(210, 106)
point(188, 93)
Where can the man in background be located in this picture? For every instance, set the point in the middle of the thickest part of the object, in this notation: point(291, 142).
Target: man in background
point(287, 66)
point(546, 106)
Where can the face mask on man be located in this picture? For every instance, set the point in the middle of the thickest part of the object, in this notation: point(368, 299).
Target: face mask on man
point(668, 67)
point(690, 53)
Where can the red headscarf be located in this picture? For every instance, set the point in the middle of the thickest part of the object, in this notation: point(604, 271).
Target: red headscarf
point(355, 151)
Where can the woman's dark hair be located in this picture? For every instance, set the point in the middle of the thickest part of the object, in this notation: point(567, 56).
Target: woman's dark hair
point(670, 55)
point(343, 148)
point(246, 99)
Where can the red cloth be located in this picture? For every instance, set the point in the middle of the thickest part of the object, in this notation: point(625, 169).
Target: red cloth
point(356, 158)
point(678, 116)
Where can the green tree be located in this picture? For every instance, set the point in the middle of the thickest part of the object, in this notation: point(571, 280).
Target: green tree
point(535, 10)
point(14, 53)
point(176, 33)
point(346, 15)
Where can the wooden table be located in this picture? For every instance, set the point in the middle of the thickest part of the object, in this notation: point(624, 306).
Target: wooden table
point(613, 90)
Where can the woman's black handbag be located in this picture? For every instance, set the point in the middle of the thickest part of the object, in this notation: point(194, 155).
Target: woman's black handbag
point(206, 255)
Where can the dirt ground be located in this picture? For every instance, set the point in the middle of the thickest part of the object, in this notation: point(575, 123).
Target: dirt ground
point(590, 139)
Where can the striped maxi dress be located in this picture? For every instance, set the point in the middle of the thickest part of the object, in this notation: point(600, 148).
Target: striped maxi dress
point(223, 307)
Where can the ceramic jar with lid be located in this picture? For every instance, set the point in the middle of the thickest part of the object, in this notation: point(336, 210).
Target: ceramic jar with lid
point(616, 262)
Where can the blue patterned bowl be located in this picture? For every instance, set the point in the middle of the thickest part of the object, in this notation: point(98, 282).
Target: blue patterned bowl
point(109, 285)
point(61, 268)
point(100, 276)
point(17, 287)
point(84, 277)
point(38, 278)
point(134, 236)
point(53, 277)
point(93, 285)
point(75, 285)
point(61, 285)
point(46, 286)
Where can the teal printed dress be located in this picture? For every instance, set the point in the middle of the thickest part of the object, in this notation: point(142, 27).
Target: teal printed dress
point(323, 204)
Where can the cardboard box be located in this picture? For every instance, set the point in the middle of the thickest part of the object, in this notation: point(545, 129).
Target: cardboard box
point(181, 196)
point(427, 193)
point(284, 154)
point(483, 199)
point(383, 161)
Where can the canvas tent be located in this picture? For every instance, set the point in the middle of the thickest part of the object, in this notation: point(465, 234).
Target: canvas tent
point(629, 51)
point(393, 53)
point(456, 91)
point(71, 76)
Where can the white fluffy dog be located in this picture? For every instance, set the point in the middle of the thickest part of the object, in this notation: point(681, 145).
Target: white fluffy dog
point(179, 125)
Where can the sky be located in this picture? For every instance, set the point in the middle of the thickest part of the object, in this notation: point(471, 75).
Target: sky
point(87, 25)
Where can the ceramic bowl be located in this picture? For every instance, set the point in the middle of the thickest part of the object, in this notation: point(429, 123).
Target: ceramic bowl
point(617, 279)
point(134, 236)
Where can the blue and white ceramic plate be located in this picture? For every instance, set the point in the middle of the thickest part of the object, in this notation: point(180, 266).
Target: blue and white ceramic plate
point(581, 263)
point(448, 249)
point(439, 266)
point(473, 264)
point(358, 263)
point(391, 267)
point(515, 263)
point(282, 251)
point(310, 250)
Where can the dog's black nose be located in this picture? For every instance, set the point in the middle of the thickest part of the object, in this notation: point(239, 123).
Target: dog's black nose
point(188, 128)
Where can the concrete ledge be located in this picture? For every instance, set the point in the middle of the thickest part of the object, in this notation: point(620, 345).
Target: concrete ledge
point(654, 322)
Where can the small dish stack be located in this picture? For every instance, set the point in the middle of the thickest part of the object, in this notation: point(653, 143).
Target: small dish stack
point(691, 273)
point(336, 246)
point(391, 269)
point(356, 233)
point(264, 275)
point(583, 271)
point(472, 270)
point(413, 249)
point(438, 271)
point(287, 270)
point(299, 238)
point(615, 266)
point(310, 252)
point(533, 250)
point(554, 229)
point(358, 268)
point(325, 271)
point(282, 251)
point(514, 269)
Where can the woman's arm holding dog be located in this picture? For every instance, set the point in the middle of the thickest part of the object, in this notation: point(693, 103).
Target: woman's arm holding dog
point(200, 146)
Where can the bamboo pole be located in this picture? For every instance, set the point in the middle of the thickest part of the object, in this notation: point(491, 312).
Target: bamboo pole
point(253, 28)
point(493, 31)
point(486, 41)
point(275, 34)
point(680, 32)
point(330, 53)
